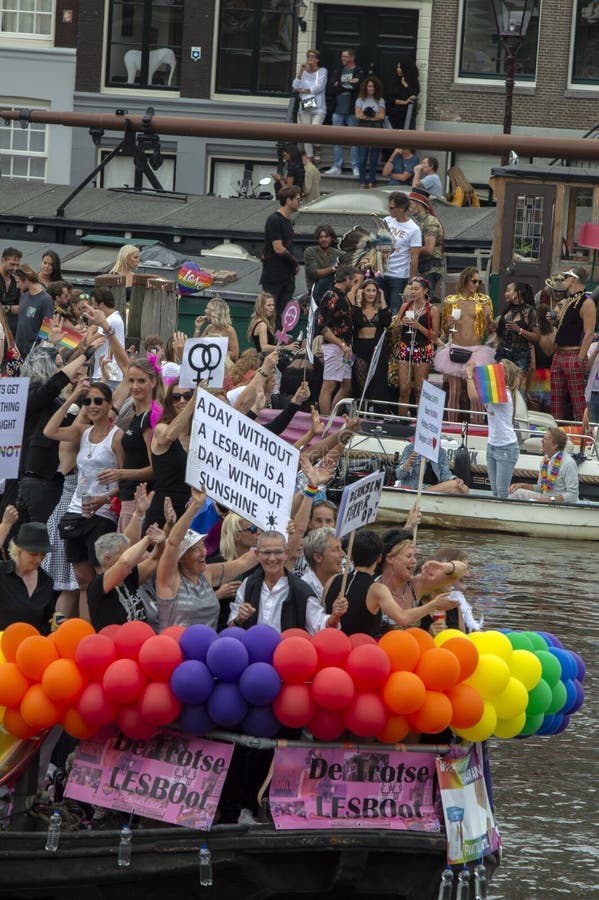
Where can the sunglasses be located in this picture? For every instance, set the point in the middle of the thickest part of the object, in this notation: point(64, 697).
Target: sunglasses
point(186, 395)
point(97, 401)
point(252, 529)
point(476, 280)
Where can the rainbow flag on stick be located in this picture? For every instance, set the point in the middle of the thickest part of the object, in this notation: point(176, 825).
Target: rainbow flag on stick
point(69, 338)
point(490, 383)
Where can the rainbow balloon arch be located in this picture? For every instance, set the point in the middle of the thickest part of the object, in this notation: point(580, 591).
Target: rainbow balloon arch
point(254, 681)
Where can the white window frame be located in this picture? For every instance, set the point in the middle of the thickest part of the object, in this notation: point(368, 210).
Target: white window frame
point(13, 127)
point(577, 85)
point(8, 7)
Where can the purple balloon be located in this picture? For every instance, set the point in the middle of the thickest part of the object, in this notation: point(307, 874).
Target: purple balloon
point(194, 719)
point(551, 639)
point(234, 631)
point(261, 642)
point(196, 640)
point(564, 725)
point(227, 658)
point(570, 697)
point(582, 669)
point(226, 705)
point(192, 681)
point(567, 662)
point(579, 697)
point(261, 722)
point(260, 684)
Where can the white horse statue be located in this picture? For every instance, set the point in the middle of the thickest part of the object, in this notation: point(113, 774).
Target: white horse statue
point(160, 57)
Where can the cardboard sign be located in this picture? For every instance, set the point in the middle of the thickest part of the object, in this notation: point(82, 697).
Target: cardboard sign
point(203, 360)
point(359, 503)
point(242, 465)
point(429, 423)
point(13, 405)
point(328, 788)
point(374, 361)
point(171, 777)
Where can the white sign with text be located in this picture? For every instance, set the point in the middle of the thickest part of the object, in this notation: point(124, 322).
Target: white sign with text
point(203, 360)
point(13, 405)
point(429, 423)
point(359, 503)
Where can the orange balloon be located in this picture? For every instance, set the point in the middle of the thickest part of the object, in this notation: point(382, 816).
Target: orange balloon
point(425, 640)
point(38, 710)
point(16, 724)
point(34, 655)
point(439, 669)
point(68, 635)
point(402, 649)
point(12, 637)
point(468, 706)
point(75, 725)
point(62, 681)
point(395, 730)
point(13, 684)
point(466, 652)
point(433, 716)
point(403, 693)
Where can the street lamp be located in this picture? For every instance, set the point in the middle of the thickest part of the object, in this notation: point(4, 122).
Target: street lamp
point(512, 18)
point(300, 10)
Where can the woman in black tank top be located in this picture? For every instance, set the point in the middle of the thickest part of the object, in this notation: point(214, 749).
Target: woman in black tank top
point(170, 443)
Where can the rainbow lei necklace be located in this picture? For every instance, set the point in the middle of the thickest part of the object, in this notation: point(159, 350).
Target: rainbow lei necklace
point(548, 478)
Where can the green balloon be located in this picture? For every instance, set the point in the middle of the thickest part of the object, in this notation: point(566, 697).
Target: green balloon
point(558, 699)
point(539, 700)
point(538, 642)
point(533, 723)
point(520, 641)
point(552, 668)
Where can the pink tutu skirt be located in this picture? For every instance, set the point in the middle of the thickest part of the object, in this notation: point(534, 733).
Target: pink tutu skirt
point(481, 356)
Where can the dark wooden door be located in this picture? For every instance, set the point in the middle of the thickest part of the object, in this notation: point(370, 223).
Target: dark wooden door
point(527, 239)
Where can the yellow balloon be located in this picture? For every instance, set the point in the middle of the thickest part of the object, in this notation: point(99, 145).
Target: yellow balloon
point(484, 728)
point(493, 642)
point(512, 701)
point(490, 676)
point(509, 728)
point(446, 635)
point(526, 667)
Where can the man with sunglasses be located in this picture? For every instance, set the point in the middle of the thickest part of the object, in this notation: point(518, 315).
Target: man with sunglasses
point(272, 596)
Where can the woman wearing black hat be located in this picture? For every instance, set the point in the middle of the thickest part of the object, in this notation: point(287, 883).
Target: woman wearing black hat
point(27, 591)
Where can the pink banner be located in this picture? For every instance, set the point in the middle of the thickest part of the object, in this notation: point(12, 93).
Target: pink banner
point(349, 788)
point(171, 777)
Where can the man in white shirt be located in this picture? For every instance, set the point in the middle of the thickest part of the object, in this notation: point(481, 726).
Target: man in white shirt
point(324, 555)
point(272, 596)
point(403, 262)
point(103, 299)
point(425, 176)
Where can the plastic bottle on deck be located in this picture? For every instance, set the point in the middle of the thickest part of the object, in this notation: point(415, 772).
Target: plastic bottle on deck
point(205, 866)
point(463, 892)
point(480, 882)
point(124, 857)
point(446, 886)
point(53, 833)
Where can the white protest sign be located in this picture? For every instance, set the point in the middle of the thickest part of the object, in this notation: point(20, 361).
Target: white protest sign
point(13, 404)
point(242, 465)
point(203, 360)
point(359, 503)
point(429, 423)
point(374, 361)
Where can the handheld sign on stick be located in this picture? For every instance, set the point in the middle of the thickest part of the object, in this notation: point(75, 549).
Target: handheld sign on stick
point(427, 440)
point(358, 507)
point(289, 320)
point(204, 360)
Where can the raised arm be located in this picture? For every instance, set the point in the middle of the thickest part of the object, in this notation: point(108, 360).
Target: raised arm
point(71, 433)
point(167, 574)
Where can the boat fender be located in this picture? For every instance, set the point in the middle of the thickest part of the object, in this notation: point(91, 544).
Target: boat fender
point(461, 465)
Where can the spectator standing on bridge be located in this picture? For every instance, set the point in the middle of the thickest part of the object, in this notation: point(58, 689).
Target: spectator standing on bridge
point(342, 91)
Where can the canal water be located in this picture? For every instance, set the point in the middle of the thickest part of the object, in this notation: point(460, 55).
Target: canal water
point(546, 788)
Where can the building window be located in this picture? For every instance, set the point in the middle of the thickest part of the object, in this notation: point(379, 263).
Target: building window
point(23, 151)
point(30, 18)
point(585, 65)
point(255, 44)
point(481, 54)
point(144, 49)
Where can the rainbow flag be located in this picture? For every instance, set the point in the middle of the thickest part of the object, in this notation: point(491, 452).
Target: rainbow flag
point(69, 338)
point(490, 383)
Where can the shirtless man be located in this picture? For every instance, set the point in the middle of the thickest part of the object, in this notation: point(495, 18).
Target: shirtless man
point(467, 317)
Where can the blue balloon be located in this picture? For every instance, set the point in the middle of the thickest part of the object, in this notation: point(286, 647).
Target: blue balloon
point(555, 725)
point(568, 663)
point(260, 684)
point(226, 705)
point(551, 639)
point(227, 658)
point(194, 719)
point(261, 641)
point(564, 725)
point(192, 681)
point(196, 640)
point(261, 722)
point(547, 725)
point(571, 696)
point(582, 669)
point(579, 696)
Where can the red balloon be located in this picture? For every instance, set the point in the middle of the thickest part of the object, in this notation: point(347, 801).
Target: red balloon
point(130, 638)
point(12, 637)
point(62, 681)
point(68, 635)
point(395, 730)
point(159, 657)
point(110, 631)
point(295, 706)
point(467, 655)
point(158, 705)
point(123, 682)
point(294, 632)
point(38, 710)
point(13, 684)
point(403, 693)
point(16, 724)
point(34, 655)
point(75, 725)
point(295, 660)
point(366, 715)
point(132, 724)
point(174, 631)
point(467, 704)
point(433, 716)
point(94, 654)
point(332, 646)
point(332, 688)
point(423, 638)
point(94, 706)
point(358, 640)
point(327, 725)
point(368, 666)
point(402, 649)
point(439, 669)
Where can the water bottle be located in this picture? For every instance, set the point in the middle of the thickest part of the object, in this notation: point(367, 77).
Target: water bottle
point(480, 882)
point(53, 833)
point(124, 857)
point(463, 892)
point(205, 866)
point(446, 886)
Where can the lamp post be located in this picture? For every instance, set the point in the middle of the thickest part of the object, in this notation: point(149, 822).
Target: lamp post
point(512, 18)
point(300, 10)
